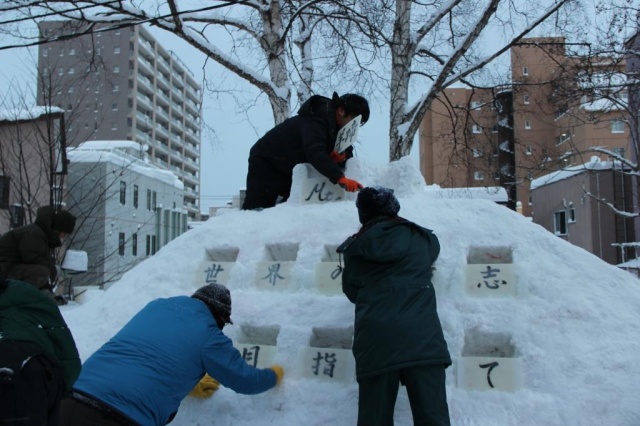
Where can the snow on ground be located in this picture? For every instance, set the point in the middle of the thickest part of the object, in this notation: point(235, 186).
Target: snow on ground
point(575, 322)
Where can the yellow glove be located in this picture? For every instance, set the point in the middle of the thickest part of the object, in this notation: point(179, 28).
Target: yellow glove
point(279, 373)
point(205, 387)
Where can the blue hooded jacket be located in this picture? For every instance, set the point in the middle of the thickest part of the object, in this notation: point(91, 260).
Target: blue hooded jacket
point(146, 369)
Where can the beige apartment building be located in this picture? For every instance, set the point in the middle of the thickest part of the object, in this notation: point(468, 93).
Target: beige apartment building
point(33, 163)
point(121, 84)
point(549, 117)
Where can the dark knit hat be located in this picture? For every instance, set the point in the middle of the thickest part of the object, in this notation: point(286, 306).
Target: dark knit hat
point(63, 221)
point(373, 202)
point(218, 298)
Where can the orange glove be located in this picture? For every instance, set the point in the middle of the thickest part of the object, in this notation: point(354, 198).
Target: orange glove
point(205, 387)
point(337, 158)
point(349, 185)
point(279, 373)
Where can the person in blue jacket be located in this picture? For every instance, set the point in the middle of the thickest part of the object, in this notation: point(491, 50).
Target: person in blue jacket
point(398, 338)
point(141, 375)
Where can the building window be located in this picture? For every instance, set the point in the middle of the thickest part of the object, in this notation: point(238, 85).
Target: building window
point(525, 70)
point(16, 216)
point(61, 52)
point(527, 124)
point(135, 196)
point(72, 52)
point(617, 126)
point(45, 52)
point(70, 89)
point(477, 152)
point(153, 244)
point(525, 99)
point(116, 69)
point(562, 138)
point(154, 200)
point(148, 250)
point(116, 50)
point(134, 244)
point(560, 223)
point(476, 105)
point(478, 176)
point(72, 71)
point(116, 88)
point(529, 150)
point(619, 151)
point(123, 192)
point(494, 128)
point(572, 215)
point(60, 71)
point(121, 243)
point(5, 184)
point(148, 199)
point(476, 129)
point(114, 126)
point(114, 107)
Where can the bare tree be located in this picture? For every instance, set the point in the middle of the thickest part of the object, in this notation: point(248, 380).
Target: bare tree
point(252, 40)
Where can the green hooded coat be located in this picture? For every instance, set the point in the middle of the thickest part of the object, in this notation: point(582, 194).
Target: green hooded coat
point(387, 274)
point(27, 315)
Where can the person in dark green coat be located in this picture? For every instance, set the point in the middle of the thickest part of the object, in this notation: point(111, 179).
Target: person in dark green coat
point(398, 337)
point(39, 361)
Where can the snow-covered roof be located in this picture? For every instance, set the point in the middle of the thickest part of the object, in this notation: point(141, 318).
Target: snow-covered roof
point(566, 173)
point(115, 153)
point(22, 114)
point(601, 105)
point(492, 193)
point(108, 145)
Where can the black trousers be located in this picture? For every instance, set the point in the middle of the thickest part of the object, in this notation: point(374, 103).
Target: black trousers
point(426, 390)
point(264, 185)
point(30, 392)
point(74, 413)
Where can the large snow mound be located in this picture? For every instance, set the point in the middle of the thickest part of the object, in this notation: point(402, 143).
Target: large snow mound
point(574, 323)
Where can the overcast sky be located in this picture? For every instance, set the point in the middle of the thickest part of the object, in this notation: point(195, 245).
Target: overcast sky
point(224, 153)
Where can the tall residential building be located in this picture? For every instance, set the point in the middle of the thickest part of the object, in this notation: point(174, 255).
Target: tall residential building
point(121, 84)
point(549, 117)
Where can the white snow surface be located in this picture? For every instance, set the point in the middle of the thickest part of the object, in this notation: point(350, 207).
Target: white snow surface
point(575, 321)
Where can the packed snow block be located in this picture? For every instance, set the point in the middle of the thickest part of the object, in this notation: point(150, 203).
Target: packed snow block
point(75, 261)
point(490, 254)
point(311, 187)
point(257, 344)
point(80, 290)
point(489, 373)
point(329, 357)
point(488, 362)
point(223, 254)
point(490, 272)
point(275, 272)
point(216, 269)
point(328, 273)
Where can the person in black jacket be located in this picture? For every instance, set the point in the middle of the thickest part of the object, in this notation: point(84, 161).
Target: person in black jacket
point(309, 137)
point(31, 246)
point(398, 338)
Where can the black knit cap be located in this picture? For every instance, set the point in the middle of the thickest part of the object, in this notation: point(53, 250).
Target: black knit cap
point(376, 201)
point(63, 221)
point(218, 298)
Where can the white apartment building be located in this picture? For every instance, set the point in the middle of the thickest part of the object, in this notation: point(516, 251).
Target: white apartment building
point(127, 208)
